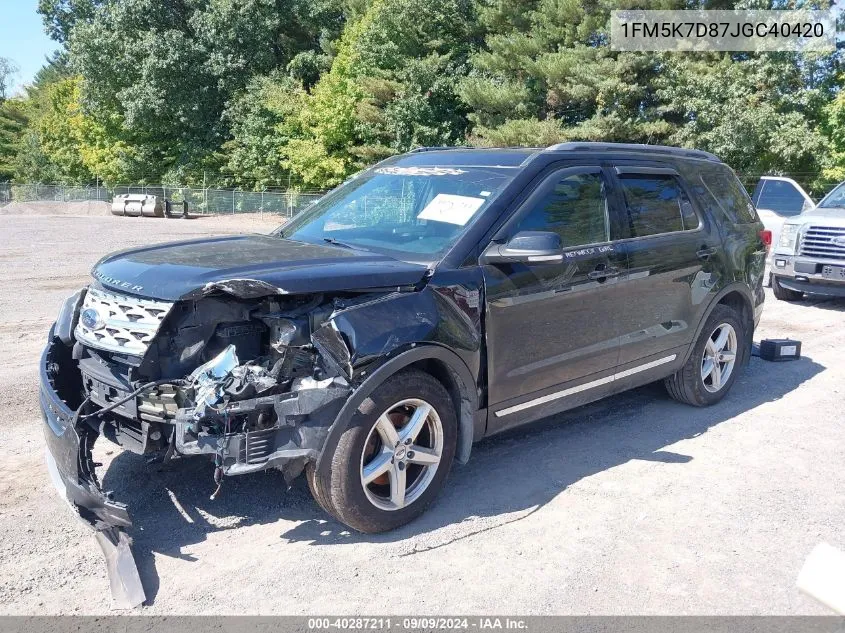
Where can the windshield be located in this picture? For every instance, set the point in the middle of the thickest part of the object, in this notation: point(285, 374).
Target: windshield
point(780, 196)
point(408, 212)
point(835, 198)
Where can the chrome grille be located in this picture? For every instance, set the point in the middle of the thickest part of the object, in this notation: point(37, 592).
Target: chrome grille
point(823, 242)
point(126, 324)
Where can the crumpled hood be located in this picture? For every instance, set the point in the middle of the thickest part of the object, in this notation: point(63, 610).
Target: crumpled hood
point(255, 265)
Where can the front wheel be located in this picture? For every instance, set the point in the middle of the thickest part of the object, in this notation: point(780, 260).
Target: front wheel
point(785, 294)
point(713, 365)
point(394, 457)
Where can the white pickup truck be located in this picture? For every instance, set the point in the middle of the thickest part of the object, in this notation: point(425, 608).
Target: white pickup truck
point(778, 199)
point(808, 241)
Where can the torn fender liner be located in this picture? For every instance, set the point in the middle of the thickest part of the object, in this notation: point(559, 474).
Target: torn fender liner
point(71, 469)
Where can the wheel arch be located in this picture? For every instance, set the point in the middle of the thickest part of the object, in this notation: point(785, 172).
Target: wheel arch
point(436, 360)
point(738, 297)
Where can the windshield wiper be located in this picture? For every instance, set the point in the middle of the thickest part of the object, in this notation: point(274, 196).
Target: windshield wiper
point(336, 242)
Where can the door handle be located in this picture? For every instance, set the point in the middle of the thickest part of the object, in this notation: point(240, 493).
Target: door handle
point(601, 272)
point(705, 252)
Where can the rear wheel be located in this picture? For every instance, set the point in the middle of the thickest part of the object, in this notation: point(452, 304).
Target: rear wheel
point(785, 294)
point(714, 363)
point(392, 460)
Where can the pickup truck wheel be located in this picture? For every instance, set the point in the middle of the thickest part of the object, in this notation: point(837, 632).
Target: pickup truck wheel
point(715, 361)
point(394, 457)
point(785, 294)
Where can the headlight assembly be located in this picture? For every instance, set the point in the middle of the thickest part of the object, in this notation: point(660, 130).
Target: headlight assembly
point(789, 236)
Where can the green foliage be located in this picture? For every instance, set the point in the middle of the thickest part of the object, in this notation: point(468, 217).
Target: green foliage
point(13, 123)
point(390, 87)
point(262, 93)
point(60, 16)
point(758, 115)
point(263, 119)
point(161, 75)
point(60, 130)
point(546, 72)
point(834, 129)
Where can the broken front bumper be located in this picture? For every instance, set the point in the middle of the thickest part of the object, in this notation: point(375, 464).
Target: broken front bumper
point(304, 418)
point(71, 469)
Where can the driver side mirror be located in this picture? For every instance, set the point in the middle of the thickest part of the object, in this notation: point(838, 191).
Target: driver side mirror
point(528, 247)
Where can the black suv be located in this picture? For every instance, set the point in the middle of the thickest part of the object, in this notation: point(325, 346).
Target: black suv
point(435, 299)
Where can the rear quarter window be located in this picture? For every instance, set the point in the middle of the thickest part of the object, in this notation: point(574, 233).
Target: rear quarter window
point(730, 196)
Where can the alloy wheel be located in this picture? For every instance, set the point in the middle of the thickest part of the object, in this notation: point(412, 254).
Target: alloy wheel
point(719, 358)
point(401, 454)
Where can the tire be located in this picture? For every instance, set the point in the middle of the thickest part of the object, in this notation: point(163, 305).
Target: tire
point(690, 385)
point(785, 294)
point(368, 446)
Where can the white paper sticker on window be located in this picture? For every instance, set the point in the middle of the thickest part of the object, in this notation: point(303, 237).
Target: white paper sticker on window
point(446, 207)
point(419, 171)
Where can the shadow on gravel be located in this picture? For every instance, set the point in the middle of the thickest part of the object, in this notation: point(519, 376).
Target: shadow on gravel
point(515, 473)
point(837, 304)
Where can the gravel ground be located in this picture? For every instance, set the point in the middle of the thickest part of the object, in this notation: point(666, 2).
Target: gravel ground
point(633, 505)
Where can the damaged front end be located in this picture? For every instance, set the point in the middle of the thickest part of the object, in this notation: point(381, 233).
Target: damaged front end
point(72, 469)
point(238, 379)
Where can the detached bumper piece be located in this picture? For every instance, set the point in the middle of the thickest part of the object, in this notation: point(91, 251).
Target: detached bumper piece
point(71, 468)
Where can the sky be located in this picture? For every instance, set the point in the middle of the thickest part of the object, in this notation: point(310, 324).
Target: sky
point(22, 39)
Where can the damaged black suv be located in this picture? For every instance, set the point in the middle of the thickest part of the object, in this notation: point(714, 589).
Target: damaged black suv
point(435, 299)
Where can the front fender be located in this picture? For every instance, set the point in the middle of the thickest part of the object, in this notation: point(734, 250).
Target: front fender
point(468, 398)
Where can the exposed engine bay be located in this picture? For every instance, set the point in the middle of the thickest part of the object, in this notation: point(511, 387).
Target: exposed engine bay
point(253, 382)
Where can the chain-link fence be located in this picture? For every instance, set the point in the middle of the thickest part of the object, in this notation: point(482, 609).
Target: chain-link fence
point(200, 201)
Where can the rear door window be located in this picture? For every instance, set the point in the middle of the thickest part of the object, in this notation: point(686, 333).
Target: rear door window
point(656, 204)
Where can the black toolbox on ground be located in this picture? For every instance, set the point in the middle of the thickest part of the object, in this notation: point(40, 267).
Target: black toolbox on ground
point(778, 349)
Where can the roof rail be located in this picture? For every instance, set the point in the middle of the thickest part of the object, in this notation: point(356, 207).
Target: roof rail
point(437, 148)
point(575, 146)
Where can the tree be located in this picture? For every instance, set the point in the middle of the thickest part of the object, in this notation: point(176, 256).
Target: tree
point(546, 72)
point(264, 119)
point(390, 87)
point(60, 16)
point(7, 71)
point(13, 122)
point(164, 89)
point(257, 93)
point(833, 127)
point(757, 113)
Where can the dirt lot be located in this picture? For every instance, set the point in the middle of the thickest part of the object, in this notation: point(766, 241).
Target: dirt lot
point(633, 505)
